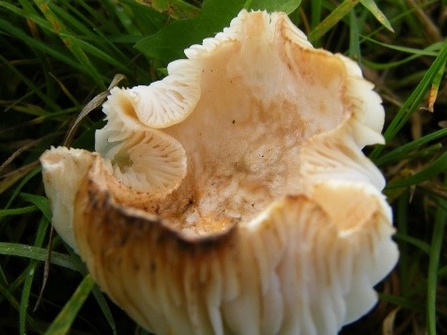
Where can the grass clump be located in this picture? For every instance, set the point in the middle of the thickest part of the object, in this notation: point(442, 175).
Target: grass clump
point(58, 55)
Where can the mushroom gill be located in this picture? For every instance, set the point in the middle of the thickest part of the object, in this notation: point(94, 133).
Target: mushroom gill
point(233, 196)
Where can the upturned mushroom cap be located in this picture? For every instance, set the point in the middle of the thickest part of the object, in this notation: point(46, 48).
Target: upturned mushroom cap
point(233, 196)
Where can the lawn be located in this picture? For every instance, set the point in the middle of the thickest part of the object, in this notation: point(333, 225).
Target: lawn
point(60, 58)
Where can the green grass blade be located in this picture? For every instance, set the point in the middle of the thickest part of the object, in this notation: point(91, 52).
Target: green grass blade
point(79, 25)
point(95, 18)
point(442, 272)
point(33, 88)
point(17, 211)
point(59, 28)
point(19, 187)
point(41, 202)
point(99, 296)
point(24, 299)
point(120, 65)
point(332, 19)
point(412, 103)
point(87, 32)
point(402, 301)
point(62, 323)
point(96, 46)
point(3, 279)
point(432, 50)
point(433, 94)
point(433, 265)
point(402, 152)
point(431, 170)
point(27, 12)
point(421, 245)
point(43, 47)
point(389, 65)
point(372, 7)
point(402, 236)
point(29, 279)
point(32, 252)
point(102, 302)
point(316, 6)
point(354, 38)
point(15, 304)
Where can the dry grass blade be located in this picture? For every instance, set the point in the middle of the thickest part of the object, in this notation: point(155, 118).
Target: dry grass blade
point(93, 104)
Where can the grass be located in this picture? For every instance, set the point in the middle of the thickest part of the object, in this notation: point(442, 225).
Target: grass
point(58, 55)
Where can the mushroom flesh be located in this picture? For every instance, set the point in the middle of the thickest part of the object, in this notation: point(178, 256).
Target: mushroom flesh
point(232, 196)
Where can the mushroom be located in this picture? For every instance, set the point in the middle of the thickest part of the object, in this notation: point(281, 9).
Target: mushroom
point(233, 195)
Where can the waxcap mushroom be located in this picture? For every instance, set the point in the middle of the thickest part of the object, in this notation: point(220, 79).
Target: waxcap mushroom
point(232, 197)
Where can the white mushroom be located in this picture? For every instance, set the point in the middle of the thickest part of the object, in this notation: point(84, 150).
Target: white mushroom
point(233, 196)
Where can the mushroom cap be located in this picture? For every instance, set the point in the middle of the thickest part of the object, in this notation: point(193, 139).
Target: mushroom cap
point(233, 196)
